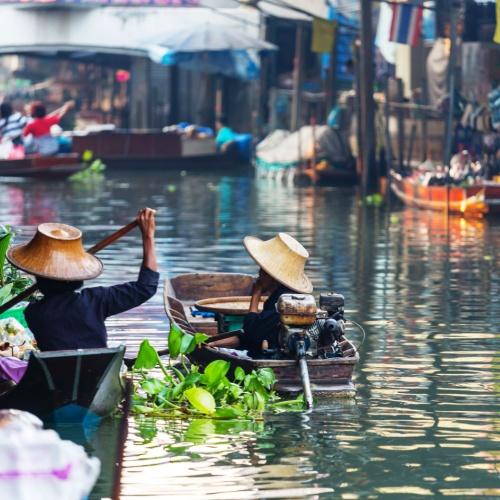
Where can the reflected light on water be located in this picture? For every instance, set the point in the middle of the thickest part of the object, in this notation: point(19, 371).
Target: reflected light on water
point(425, 287)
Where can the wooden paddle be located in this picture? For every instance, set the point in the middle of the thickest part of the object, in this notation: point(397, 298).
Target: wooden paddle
point(93, 250)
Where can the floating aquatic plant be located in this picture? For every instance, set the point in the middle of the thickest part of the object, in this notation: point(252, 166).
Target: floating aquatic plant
point(11, 280)
point(184, 391)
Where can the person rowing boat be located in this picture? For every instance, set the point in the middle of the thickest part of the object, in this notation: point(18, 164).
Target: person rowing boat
point(67, 317)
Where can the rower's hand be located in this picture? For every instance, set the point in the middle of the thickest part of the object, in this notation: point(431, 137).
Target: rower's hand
point(147, 223)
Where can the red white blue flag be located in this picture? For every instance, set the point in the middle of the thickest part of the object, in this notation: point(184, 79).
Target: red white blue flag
point(406, 24)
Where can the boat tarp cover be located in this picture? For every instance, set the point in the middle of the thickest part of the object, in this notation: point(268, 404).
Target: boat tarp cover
point(282, 149)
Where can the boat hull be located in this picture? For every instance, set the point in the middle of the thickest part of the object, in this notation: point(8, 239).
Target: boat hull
point(327, 376)
point(69, 386)
point(153, 150)
point(473, 200)
point(47, 167)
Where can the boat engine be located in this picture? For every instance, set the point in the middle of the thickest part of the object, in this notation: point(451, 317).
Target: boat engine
point(318, 332)
point(297, 314)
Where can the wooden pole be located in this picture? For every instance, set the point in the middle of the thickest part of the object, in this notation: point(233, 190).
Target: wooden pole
point(451, 84)
point(367, 105)
point(401, 124)
point(297, 77)
point(330, 77)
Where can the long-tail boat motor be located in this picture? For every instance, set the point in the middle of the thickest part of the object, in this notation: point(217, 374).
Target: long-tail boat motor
point(297, 314)
point(329, 328)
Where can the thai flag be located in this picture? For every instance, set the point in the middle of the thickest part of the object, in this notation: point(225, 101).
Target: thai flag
point(406, 24)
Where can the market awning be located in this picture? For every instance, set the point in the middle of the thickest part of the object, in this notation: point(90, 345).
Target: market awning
point(296, 10)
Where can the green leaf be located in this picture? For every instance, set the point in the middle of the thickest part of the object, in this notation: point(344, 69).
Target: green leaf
point(177, 390)
point(4, 246)
point(228, 412)
point(87, 155)
point(188, 344)
point(200, 399)
point(239, 374)
point(5, 293)
point(200, 338)
point(215, 372)
point(192, 379)
point(174, 340)
point(152, 386)
point(147, 357)
point(266, 377)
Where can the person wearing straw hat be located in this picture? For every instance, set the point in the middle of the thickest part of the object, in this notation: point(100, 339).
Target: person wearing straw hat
point(281, 260)
point(69, 318)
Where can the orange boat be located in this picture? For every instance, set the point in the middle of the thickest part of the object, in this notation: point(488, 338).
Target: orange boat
point(475, 200)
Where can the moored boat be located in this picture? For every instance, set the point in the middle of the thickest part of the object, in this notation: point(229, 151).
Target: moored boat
point(327, 376)
point(69, 386)
point(46, 167)
point(129, 149)
point(479, 200)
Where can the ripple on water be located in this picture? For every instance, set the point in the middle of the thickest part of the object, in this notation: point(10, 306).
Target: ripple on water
point(426, 288)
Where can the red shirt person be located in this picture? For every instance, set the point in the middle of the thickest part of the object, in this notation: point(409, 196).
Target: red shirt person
point(39, 128)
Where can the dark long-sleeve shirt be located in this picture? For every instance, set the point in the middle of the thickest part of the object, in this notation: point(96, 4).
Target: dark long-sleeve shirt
point(75, 320)
point(263, 326)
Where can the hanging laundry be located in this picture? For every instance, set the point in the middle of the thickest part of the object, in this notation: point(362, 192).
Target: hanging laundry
point(406, 25)
point(323, 35)
point(496, 38)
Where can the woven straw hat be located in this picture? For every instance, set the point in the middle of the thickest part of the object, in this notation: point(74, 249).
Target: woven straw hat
point(283, 258)
point(56, 252)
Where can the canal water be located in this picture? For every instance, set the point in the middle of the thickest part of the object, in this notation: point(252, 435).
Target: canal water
point(425, 288)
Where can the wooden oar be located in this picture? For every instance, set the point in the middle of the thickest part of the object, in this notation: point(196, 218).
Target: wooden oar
point(96, 248)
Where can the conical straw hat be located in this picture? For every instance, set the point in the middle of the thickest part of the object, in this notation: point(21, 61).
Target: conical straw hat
point(56, 252)
point(283, 258)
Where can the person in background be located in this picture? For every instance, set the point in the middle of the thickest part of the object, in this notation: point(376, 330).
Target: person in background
point(67, 317)
point(225, 138)
point(43, 141)
point(12, 124)
point(281, 261)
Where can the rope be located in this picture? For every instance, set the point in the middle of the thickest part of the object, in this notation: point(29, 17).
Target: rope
point(362, 331)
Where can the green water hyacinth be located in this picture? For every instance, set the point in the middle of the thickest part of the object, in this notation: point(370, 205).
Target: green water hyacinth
point(190, 391)
point(12, 282)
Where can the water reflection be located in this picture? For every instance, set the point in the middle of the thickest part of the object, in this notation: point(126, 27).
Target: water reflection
point(426, 288)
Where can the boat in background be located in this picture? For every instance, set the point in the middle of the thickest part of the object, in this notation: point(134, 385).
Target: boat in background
point(43, 167)
point(312, 154)
point(69, 386)
point(477, 200)
point(128, 149)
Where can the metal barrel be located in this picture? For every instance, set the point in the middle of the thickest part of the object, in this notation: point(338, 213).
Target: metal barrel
point(306, 384)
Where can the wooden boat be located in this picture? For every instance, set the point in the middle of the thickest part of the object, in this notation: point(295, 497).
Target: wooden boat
point(472, 200)
point(46, 167)
point(126, 149)
point(69, 386)
point(328, 376)
point(324, 174)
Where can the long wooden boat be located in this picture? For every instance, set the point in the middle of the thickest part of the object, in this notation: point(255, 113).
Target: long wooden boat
point(46, 167)
point(328, 376)
point(69, 386)
point(473, 200)
point(129, 149)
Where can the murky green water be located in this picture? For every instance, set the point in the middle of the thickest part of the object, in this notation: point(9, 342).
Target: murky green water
point(426, 289)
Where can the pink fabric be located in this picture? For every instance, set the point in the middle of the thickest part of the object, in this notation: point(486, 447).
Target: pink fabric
point(12, 369)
